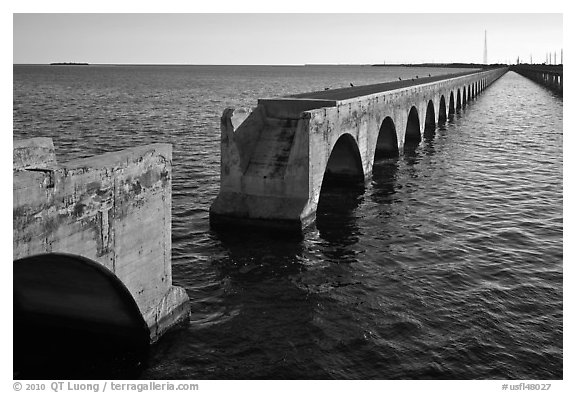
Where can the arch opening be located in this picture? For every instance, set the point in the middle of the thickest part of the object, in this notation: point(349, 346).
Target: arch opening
point(345, 164)
point(451, 106)
point(413, 137)
point(469, 93)
point(72, 307)
point(464, 97)
point(430, 120)
point(387, 143)
point(458, 101)
point(442, 110)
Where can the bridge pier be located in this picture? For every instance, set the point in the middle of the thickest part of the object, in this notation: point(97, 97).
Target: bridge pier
point(275, 157)
point(103, 225)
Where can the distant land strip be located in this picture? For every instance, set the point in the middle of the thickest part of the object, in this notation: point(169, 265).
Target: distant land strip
point(69, 63)
point(445, 65)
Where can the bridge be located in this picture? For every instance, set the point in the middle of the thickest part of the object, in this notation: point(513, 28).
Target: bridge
point(550, 76)
point(92, 243)
point(276, 156)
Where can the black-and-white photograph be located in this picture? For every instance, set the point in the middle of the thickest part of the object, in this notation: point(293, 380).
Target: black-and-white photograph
point(287, 196)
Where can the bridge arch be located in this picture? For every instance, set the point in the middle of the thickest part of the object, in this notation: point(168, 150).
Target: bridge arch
point(464, 96)
point(412, 135)
point(345, 162)
point(71, 315)
point(469, 93)
point(387, 143)
point(442, 110)
point(451, 105)
point(70, 292)
point(458, 101)
point(430, 119)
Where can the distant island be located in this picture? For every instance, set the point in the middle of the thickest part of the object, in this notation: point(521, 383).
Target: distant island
point(69, 63)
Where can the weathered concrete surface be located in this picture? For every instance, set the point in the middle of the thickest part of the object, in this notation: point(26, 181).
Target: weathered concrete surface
point(274, 157)
point(114, 209)
point(551, 76)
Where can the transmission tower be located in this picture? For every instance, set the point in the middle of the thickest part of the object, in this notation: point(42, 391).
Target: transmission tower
point(485, 48)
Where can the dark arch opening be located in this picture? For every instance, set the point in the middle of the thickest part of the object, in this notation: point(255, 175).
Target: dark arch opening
point(469, 92)
point(430, 120)
point(74, 318)
point(464, 97)
point(344, 164)
point(341, 192)
point(413, 137)
point(458, 101)
point(442, 113)
point(387, 143)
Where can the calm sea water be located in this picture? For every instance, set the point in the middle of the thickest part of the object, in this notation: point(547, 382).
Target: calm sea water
point(447, 266)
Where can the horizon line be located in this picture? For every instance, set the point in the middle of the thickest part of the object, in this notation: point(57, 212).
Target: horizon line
point(253, 64)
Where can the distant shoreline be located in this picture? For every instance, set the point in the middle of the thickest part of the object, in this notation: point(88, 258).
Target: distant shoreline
point(430, 65)
point(70, 63)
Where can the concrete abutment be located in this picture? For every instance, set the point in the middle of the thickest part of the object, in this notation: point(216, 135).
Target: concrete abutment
point(112, 211)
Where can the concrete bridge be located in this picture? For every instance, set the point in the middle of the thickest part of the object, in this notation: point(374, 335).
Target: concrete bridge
point(276, 156)
point(92, 242)
point(550, 76)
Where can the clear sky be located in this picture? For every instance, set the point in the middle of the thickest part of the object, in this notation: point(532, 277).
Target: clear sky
point(283, 38)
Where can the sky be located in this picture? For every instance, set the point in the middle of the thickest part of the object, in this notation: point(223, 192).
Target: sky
point(256, 38)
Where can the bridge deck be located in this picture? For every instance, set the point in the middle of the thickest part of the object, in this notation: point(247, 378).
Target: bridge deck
point(358, 91)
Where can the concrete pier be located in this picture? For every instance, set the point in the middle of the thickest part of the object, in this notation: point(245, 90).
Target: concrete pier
point(92, 239)
point(276, 156)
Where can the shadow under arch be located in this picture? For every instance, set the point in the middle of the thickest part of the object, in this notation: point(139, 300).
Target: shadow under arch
point(442, 111)
point(341, 192)
point(74, 318)
point(451, 106)
point(413, 137)
point(345, 164)
point(458, 101)
point(464, 96)
point(387, 143)
point(430, 120)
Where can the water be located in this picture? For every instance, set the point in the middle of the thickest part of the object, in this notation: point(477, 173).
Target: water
point(448, 265)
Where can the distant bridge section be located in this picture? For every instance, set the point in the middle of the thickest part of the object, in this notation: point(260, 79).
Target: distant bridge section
point(550, 76)
point(276, 157)
point(92, 241)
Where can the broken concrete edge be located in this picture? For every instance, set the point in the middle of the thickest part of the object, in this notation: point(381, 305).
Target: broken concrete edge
point(33, 153)
point(120, 158)
point(38, 153)
point(170, 313)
